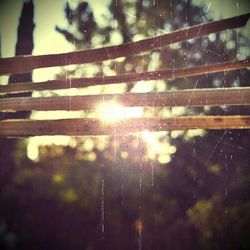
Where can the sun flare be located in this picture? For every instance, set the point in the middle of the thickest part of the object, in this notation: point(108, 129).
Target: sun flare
point(113, 111)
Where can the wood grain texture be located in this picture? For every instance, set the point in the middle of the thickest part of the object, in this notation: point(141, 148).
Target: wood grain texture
point(23, 64)
point(81, 127)
point(189, 98)
point(125, 78)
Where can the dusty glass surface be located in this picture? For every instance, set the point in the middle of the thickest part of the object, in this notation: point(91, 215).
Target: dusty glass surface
point(170, 189)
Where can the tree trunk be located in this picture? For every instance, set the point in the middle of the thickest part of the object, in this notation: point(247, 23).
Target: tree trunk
point(24, 46)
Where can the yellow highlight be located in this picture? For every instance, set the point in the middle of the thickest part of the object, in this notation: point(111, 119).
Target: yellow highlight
point(58, 178)
point(70, 195)
point(124, 155)
point(157, 148)
point(138, 225)
point(164, 158)
point(91, 156)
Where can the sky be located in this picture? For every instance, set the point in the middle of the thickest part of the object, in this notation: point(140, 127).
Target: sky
point(47, 14)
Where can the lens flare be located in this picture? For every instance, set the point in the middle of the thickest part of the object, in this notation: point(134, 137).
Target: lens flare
point(113, 111)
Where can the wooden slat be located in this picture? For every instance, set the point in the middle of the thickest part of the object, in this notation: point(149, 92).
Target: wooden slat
point(79, 127)
point(190, 97)
point(23, 64)
point(134, 77)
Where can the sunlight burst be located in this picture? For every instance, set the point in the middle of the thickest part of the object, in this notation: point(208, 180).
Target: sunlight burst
point(113, 111)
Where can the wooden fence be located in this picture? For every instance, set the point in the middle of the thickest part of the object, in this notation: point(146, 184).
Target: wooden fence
point(191, 97)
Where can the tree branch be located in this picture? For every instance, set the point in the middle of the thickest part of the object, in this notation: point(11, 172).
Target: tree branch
point(191, 98)
point(80, 127)
point(133, 77)
point(22, 64)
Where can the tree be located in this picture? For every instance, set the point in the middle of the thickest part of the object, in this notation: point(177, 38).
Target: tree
point(24, 46)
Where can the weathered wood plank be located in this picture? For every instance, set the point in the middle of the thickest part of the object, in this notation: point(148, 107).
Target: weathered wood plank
point(81, 127)
point(126, 78)
point(191, 98)
point(23, 64)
